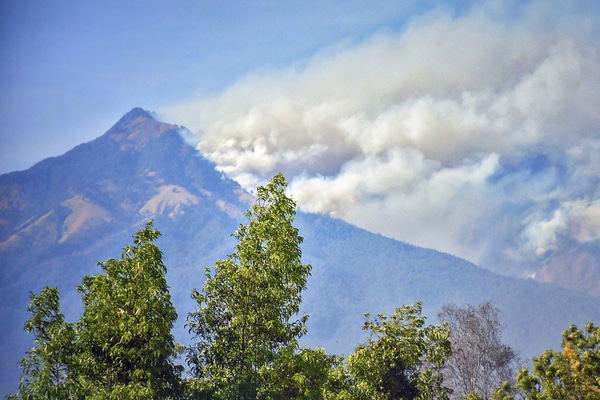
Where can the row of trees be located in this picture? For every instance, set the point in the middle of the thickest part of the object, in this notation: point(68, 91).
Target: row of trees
point(246, 332)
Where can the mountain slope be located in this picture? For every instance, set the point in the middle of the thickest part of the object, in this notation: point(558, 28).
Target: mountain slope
point(357, 272)
point(64, 214)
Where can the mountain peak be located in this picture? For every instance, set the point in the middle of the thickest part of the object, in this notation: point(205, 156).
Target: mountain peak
point(136, 112)
point(136, 128)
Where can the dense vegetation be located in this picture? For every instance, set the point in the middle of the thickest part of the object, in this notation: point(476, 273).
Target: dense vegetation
point(246, 329)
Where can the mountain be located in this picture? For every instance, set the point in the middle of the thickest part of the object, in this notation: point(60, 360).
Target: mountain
point(63, 215)
point(576, 267)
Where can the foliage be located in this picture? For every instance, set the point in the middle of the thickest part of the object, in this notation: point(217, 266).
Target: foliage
point(127, 349)
point(573, 373)
point(243, 321)
point(402, 358)
point(298, 375)
point(121, 347)
point(480, 362)
point(46, 367)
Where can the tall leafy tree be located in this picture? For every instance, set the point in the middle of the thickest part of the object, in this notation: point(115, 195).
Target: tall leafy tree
point(47, 368)
point(248, 306)
point(126, 346)
point(402, 358)
point(480, 362)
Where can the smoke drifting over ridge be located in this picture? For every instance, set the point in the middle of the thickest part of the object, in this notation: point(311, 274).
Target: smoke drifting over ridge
point(478, 135)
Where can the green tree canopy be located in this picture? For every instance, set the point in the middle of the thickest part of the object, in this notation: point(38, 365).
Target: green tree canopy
point(47, 367)
point(573, 373)
point(121, 347)
point(127, 348)
point(301, 375)
point(245, 310)
point(402, 358)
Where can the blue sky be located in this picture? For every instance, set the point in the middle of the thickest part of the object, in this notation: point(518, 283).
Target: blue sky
point(468, 127)
point(69, 70)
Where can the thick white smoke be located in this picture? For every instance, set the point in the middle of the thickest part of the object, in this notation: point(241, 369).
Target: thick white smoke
point(478, 135)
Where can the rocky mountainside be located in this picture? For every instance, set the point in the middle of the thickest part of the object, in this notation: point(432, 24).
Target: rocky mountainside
point(63, 215)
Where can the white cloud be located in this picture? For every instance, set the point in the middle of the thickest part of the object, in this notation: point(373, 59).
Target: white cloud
point(477, 135)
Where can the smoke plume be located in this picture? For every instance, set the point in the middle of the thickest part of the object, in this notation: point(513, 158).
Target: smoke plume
point(478, 134)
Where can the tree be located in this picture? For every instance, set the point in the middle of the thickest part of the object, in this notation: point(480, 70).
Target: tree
point(573, 373)
point(299, 375)
point(46, 367)
point(480, 362)
point(244, 316)
point(402, 358)
point(126, 346)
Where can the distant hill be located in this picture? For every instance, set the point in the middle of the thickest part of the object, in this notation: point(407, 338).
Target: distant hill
point(63, 215)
